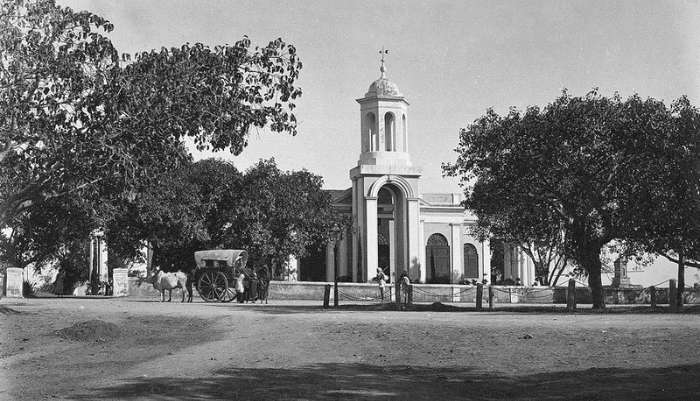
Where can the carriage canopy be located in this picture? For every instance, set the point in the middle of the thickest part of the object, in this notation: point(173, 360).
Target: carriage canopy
point(221, 257)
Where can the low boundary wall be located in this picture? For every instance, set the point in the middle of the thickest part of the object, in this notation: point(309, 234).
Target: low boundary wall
point(426, 293)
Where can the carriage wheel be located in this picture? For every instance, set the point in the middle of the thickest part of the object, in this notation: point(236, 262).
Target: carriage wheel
point(225, 293)
point(212, 285)
point(221, 287)
point(228, 295)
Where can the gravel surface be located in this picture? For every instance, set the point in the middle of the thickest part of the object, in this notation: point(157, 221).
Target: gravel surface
point(94, 349)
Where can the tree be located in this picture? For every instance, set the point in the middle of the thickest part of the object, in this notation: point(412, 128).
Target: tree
point(76, 119)
point(81, 123)
point(574, 162)
point(666, 221)
point(533, 229)
point(168, 214)
point(275, 214)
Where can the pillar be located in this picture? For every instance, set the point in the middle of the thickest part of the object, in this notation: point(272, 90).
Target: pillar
point(370, 242)
point(414, 244)
point(292, 266)
point(330, 261)
point(456, 252)
point(392, 251)
point(485, 260)
point(343, 260)
point(421, 240)
point(14, 282)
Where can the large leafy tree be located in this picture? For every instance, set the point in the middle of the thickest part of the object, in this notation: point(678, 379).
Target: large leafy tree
point(78, 121)
point(573, 163)
point(273, 213)
point(665, 219)
point(533, 228)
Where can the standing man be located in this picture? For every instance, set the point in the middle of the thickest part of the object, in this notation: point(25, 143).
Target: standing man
point(405, 284)
point(381, 278)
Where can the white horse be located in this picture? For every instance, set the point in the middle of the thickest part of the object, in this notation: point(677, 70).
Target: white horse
point(168, 281)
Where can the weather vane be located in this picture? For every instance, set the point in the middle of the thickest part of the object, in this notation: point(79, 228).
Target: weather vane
point(382, 68)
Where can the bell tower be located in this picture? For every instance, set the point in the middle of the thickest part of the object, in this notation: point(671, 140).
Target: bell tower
point(384, 129)
point(385, 203)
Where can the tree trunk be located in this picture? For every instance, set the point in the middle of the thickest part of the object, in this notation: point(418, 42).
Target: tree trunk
point(681, 280)
point(591, 262)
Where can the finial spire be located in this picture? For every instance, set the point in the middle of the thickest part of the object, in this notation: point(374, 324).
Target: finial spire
point(382, 69)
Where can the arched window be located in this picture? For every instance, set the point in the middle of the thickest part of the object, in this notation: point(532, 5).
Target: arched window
point(471, 261)
point(437, 254)
point(389, 132)
point(371, 127)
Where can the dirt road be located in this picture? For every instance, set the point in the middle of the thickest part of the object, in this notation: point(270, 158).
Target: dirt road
point(201, 351)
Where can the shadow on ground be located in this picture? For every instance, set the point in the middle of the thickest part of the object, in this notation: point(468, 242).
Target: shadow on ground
point(362, 381)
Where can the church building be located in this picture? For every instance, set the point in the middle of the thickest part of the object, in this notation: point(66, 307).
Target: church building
point(394, 226)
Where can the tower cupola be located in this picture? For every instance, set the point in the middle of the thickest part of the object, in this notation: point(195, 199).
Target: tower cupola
point(384, 129)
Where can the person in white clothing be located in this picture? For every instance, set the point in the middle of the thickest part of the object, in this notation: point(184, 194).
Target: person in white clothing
point(381, 278)
point(240, 289)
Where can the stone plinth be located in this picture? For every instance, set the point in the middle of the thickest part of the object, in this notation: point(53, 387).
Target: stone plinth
point(120, 282)
point(13, 282)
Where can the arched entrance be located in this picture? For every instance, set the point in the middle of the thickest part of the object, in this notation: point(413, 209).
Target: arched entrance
point(437, 258)
point(390, 230)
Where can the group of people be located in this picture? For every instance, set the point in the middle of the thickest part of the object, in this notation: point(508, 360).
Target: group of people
point(250, 287)
point(382, 279)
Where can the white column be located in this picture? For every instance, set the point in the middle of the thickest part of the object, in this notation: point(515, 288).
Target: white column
point(343, 260)
point(370, 240)
point(92, 258)
point(357, 229)
point(104, 270)
point(421, 251)
point(456, 260)
point(392, 251)
point(414, 245)
point(292, 266)
point(485, 260)
point(330, 261)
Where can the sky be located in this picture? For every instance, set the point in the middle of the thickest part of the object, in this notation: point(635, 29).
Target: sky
point(451, 59)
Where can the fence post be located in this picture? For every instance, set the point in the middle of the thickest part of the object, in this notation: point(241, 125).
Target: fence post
point(490, 298)
point(672, 294)
point(335, 292)
point(571, 296)
point(479, 296)
point(410, 295)
point(397, 292)
point(326, 295)
point(652, 297)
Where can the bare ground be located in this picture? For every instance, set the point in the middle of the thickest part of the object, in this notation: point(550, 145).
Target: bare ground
point(289, 351)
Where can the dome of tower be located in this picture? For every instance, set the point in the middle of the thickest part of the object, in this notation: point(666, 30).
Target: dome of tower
point(383, 87)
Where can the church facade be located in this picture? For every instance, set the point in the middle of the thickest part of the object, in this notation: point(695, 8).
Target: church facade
point(394, 226)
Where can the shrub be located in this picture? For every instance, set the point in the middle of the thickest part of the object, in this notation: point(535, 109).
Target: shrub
point(28, 289)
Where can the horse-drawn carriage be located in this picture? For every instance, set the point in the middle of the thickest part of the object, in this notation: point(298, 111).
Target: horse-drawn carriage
point(218, 272)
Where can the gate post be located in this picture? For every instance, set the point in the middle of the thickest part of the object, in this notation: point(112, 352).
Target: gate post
point(410, 295)
point(397, 290)
point(326, 295)
point(571, 296)
point(672, 294)
point(479, 296)
point(335, 292)
point(490, 298)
